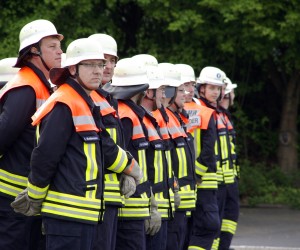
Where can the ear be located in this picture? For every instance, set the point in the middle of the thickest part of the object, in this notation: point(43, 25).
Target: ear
point(148, 93)
point(34, 51)
point(72, 70)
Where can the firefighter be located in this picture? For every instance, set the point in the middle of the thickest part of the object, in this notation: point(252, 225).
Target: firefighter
point(158, 172)
point(182, 156)
point(40, 50)
point(211, 84)
point(7, 71)
point(68, 189)
point(112, 191)
point(231, 208)
point(128, 85)
point(205, 219)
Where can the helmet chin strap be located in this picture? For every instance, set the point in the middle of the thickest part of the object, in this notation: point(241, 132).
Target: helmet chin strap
point(39, 53)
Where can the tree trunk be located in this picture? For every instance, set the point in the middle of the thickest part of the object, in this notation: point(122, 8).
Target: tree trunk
point(288, 135)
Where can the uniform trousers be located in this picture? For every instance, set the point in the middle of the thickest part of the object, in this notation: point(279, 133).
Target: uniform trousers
point(67, 235)
point(18, 231)
point(205, 220)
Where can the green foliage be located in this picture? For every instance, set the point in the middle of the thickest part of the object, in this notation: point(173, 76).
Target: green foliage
point(260, 184)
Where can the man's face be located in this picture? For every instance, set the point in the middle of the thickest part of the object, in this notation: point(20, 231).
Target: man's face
point(109, 68)
point(160, 96)
point(91, 72)
point(189, 87)
point(51, 51)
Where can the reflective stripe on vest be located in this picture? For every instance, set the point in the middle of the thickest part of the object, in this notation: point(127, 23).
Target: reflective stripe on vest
point(11, 184)
point(27, 77)
point(137, 208)
point(187, 198)
point(76, 207)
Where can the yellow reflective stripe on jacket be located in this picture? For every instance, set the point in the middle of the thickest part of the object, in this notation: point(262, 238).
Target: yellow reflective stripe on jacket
point(209, 181)
point(36, 192)
point(137, 208)
point(120, 162)
point(112, 189)
point(158, 166)
point(215, 245)
point(229, 226)
point(143, 164)
point(195, 248)
point(92, 167)
point(11, 184)
point(200, 169)
point(169, 162)
point(182, 169)
point(113, 133)
point(163, 205)
point(187, 198)
point(197, 141)
point(72, 206)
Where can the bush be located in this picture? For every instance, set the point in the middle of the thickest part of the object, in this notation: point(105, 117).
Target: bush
point(261, 184)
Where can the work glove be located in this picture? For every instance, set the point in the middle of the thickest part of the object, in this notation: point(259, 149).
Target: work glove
point(176, 193)
point(25, 205)
point(133, 169)
point(153, 224)
point(127, 185)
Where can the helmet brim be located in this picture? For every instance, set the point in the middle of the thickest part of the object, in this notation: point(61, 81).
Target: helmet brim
point(124, 93)
point(58, 76)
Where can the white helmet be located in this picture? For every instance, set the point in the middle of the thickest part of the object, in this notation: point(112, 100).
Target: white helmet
point(230, 86)
point(155, 75)
point(147, 60)
point(34, 31)
point(187, 73)
point(129, 72)
point(83, 49)
point(171, 74)
point(7, 71)
point(107, 42)
point(211, 75)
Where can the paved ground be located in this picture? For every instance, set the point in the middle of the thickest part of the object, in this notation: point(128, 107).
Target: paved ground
point(268, 228)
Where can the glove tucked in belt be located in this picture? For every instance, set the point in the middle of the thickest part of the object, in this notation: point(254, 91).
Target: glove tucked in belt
point(152, 225)
point(176, 194)
point(25, 205)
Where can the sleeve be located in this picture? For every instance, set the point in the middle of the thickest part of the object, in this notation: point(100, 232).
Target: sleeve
point(206, 160)
point(17, 108)
point(52, 142)
point(115, 158)
point(207, 156)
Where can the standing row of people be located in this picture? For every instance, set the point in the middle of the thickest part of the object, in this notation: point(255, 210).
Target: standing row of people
point(120, 156)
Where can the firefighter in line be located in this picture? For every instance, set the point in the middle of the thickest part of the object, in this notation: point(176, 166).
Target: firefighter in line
point(211, 83)
point(40, 50)
point(128, 85)
point(205, 219)
point(113, 191)
point(68, 189)
point(7, 70)
point(182, 156)
point(157, 153)
point(231, 208)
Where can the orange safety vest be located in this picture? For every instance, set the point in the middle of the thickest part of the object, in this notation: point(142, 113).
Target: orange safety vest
point(137, 206)
point(12, 182)
point(84, 206)
point(27, 77)
point(199, 116)
point(225, 173)
point(185, 170)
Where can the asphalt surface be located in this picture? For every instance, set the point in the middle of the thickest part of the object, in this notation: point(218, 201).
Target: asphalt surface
point(274, 228)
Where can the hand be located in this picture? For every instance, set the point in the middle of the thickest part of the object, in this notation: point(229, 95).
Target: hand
point(133, 169)
point(152, 225)
point(25, 205)
point(127, 185)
